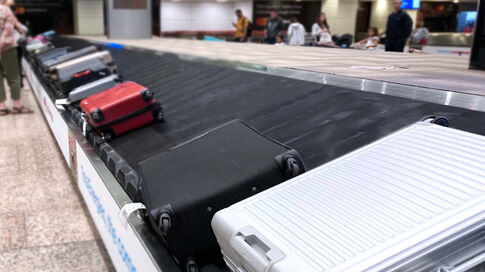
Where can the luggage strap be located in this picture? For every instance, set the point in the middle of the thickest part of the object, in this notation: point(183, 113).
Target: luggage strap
point(151, 107)
point(128, 209)
point(61, 102)
point(85, 125)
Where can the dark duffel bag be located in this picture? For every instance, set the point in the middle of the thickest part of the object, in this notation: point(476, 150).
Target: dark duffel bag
point(185, 186)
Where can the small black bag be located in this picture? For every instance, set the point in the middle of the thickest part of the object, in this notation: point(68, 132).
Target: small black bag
point(185, 186)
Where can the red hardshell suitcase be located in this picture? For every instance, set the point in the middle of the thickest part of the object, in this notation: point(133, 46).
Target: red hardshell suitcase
point(121, 109)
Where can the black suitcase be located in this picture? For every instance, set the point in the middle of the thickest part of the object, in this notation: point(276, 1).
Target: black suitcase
point(77, 75)
point(185, 186)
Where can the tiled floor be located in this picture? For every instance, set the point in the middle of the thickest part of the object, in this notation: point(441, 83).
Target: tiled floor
point(444, 72)
point(43, 223)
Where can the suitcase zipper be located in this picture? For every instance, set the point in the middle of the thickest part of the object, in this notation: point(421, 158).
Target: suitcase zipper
point(151, 107)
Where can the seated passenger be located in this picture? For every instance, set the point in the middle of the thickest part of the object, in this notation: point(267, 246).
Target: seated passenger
point(372, 40)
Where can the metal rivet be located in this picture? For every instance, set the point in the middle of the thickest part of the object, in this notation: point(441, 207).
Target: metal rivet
point(209, 209)
point(254, 189)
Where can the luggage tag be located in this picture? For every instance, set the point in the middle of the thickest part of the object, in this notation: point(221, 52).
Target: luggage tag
point(61, 102)
point(128, 209)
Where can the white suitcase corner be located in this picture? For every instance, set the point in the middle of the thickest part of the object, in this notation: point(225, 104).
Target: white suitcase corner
point(374, 209)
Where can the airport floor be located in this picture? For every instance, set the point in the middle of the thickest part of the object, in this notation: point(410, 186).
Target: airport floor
point(44, 225)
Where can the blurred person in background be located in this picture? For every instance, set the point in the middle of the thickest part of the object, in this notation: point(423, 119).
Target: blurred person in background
point(419, 38)
point(372, 40)
point(399, 28)
point(242, 26)
point(321, 31)
point(280, 40)
point(273, 28)
point(420, 34)
point(9, 66)
point(296, 32)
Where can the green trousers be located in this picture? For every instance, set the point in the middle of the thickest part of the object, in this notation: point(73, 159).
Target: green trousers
point(9, 68)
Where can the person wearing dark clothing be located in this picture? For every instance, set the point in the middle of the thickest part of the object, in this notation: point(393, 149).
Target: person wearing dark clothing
point(274, 27)
point(399, 28)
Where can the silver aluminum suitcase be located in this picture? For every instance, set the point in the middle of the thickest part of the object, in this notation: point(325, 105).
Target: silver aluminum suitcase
point(94, 87)
point(104, 56)
point(66, 57)
point(407, 202)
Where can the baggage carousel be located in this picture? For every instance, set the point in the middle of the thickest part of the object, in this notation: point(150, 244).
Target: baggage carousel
point(321, 121)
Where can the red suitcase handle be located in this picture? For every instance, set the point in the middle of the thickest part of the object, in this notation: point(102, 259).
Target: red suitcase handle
point(81, 74)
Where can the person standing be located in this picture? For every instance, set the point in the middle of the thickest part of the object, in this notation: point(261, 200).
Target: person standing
point(9, 66)
point(296, 32)
point(20, 34)
point(274, 27)
point(399, 28)
point(241, 26)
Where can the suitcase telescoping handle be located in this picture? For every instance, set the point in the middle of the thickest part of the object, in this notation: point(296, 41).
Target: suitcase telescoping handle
point(257, 254)
point(81, 74)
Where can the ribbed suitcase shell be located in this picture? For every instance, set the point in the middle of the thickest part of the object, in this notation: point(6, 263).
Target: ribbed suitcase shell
point(94, 87)
point(104, 56)
point(370, 210)
point(66, 57)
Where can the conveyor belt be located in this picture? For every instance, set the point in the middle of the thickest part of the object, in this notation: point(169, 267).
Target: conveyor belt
point(321, 122)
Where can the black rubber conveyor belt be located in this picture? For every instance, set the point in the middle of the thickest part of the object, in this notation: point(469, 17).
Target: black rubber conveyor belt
point(321, 122)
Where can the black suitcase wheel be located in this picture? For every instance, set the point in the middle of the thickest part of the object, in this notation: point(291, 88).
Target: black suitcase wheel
point(293, 168)
point(164, 222)
point(97, 115)
point(442, 121)
point(147, 95)
point(192, 266)
point(438, 120)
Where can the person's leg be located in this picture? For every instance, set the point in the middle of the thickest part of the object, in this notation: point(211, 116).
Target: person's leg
point(390, 47)
point(11, 68)
point(19, 60)
point(400, 47)
point(270, 40)
point(3, 96)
